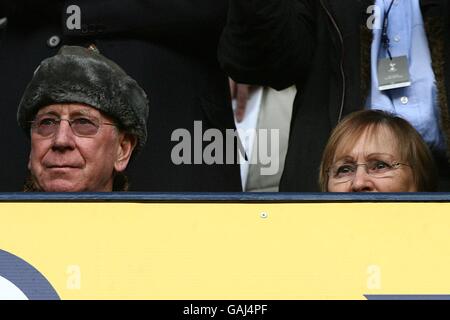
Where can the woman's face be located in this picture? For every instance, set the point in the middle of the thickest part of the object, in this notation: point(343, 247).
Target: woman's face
point(373, 164)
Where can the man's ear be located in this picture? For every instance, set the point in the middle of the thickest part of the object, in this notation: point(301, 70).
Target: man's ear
point(127, 143)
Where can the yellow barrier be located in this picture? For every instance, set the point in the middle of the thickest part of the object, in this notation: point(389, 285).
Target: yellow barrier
point(232, 251)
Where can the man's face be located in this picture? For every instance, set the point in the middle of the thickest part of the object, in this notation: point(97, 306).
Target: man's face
point(74, 159)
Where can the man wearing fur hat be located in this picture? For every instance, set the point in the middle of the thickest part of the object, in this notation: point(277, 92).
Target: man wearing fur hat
point(168, 47)
point(85, 117)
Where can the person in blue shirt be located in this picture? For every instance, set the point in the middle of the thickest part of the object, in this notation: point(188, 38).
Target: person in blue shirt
point(344, 56)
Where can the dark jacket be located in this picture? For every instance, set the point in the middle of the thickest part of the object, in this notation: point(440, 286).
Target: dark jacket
point(322, 46)
point(168, 47)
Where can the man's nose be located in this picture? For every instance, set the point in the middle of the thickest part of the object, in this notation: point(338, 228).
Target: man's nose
point(64, 137)
point(362, 182)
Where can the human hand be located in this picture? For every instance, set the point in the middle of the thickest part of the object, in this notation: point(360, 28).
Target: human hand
point(240, 92)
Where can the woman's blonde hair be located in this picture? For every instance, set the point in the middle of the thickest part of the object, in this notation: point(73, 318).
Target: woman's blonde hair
point(412, 149)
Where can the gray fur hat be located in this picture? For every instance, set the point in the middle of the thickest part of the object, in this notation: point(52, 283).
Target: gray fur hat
point(81, 75)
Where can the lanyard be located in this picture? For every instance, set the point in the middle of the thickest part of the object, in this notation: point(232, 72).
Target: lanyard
point(385, 37)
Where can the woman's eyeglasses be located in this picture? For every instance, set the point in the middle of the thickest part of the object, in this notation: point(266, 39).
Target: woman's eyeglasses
point(341, 173)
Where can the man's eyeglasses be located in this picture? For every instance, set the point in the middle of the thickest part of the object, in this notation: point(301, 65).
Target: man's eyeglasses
point(47, 125)
point(341, 173)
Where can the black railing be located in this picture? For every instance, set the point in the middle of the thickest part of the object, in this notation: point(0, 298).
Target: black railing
point(225, 197)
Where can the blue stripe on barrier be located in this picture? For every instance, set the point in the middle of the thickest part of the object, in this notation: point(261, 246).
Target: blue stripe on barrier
point(407, 297)
point(26, 278)
point(226, 197)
